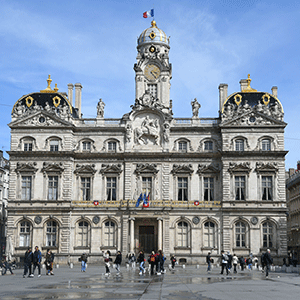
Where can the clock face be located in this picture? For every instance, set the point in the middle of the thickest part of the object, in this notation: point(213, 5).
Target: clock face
point(152, 72)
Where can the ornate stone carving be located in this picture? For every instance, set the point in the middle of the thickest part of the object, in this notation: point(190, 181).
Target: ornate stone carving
point(38, 220)
point(100, 109)
point(128, 133)
point(195, 108)
point(26, 167)
point(166, 134)
point(111, 168)
point(85, 169)
point(179, 169)
point(148, 130)
point(266, 167)
point(211, 168)
point(52, 167)
point(239, 167)
point(146, 168)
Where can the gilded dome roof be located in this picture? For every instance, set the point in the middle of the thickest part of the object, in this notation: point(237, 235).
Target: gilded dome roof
point(153, 34)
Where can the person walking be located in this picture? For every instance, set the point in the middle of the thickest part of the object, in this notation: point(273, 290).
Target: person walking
point(242, 262)
point(118, 261)
point(268, 261)
point(6, 265)
point(224, 261)
point(28, 262)
point(49, 262)
point(249, 263)
point(37, 258)
point(208, 261)
point(173, 261)
point(162, 262)
point(229, 262)
point(151, 261)
point(141, 261)
point(107, 259)
point(234, 262)
point(133, 261)
point(158, 261)
point(83, 259)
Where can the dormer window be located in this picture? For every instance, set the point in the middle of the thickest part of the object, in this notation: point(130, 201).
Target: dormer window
point(54, 145)
point(86, 146)
point(239, 145)
point(208, 146)
point(27, 146)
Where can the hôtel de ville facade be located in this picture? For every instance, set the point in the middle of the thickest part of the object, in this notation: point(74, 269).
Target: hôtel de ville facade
point(212, 183)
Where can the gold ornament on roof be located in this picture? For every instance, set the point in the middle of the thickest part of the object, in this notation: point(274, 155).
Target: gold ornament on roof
point(48, 89)
point(56, 101)
point(29, 101)
point(238, 99)
point(153, 24)
point(249, 89)
point(266, 99)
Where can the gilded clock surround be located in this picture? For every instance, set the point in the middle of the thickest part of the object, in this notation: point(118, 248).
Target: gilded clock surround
point(152, 72)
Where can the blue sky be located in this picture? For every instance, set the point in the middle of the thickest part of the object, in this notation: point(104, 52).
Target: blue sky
point(94, 43)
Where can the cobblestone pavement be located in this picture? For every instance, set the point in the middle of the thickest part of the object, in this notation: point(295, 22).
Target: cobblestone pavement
point(183, 283)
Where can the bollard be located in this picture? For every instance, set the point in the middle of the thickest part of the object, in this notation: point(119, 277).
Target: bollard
point(43, 266)
point(71, 265)
point(127, 266)
point(197, 266)
point(183, 266)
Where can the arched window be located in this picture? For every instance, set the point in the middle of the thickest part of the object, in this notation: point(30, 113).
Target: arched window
point(266, 145)
point(208, 146)
point(240, 235)
point(239, 145)
point(24, 234)
point(83, 234)
point(182, 234)
point(110, 234)
point(268, 235)
point(182, 146)
point(210, 235)
point(51, 234)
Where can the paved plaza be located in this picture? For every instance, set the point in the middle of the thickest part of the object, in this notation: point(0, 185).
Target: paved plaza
point(183, 283)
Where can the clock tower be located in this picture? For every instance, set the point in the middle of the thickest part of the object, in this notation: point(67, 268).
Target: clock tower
point(153, 70)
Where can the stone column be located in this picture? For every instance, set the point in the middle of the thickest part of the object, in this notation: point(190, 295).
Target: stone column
point(131, 248)
point(159, 236)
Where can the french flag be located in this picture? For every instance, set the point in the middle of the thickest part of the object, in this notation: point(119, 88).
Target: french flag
point(146, 202)
point(149, 13)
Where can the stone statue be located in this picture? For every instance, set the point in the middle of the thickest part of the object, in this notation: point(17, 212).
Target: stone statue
point(100, 108)
point(19, 110)
point(128, 133)
point(64, 111)
point(195, 108)
point(149, 129)
point(166, 132)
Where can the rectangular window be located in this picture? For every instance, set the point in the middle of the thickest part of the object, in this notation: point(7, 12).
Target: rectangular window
point(26, 187)
point(267, 188)
point(112, 146)
point(208, 189)
point(182, 189)
point(153, 89)
point(240, 182)
point(266, 145)
point(240, 234)
point(147, 186)
point(27, 146)
point(53, 145)
point(86, 146)
point(53, 187)
point(208, 146)
point(239, 145)
point(182, 146)
point(85, 188)
point(111, 188)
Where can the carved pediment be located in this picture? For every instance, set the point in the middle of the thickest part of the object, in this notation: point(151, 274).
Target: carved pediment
point(111, 168)
point(146, 168)
point(52, 167)
point(40, 118)
point(252, 118)
point(182, 169)
point(26, 167)
point(239, 167)
point(202, 168)
point(88, 169)
point(266, 167)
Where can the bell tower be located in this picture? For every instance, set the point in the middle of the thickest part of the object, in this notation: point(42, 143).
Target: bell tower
point(153, 70)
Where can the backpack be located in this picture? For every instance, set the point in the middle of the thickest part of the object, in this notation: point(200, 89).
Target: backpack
point(152, 258)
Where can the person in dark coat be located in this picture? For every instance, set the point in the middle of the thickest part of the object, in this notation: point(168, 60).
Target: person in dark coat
point(224, 262)
point(141, 261)
point(37, 258)
point(151, 261)
point(162, 261)
point(5, 265)
point(83, 259)
point(49, 262)
point(242, 262)
point(268, 261)
point(173, 261)
point(118, 261)
point(28, 262)
point(208, 261)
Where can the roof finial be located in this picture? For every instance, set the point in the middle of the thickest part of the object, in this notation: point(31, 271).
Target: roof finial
point(56, 88)
point(48, 89)
point(249, 88)
point(153, 24)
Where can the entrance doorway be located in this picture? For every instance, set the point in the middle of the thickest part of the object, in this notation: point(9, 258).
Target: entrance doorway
point(147, 239)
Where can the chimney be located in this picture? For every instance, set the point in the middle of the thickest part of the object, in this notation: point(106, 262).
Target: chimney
point(78, 88)
point(70, 93)
point(244, 84)
point(274, 91)
point(223, 90)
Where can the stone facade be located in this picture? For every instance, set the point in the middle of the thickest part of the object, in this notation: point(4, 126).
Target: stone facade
point(148, 180)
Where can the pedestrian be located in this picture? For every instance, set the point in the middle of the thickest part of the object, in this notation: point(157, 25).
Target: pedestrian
point(151, 261)
point(173, 261)
point(83, 259)
point(229, 263)
point(162, 262)
point(49, 262)
point(133, 261)
point(141, 261)
point(242, 262)
point(118, 261)
point(208, 261)
point(28, 262)
point(37, 258)
point(224, 261)
point(234, 262)
point(107, 259)
point(268, 261)
point(249, 263)
point(262, 261)
point(255, 262)
point(6, 265)
point(158, 261)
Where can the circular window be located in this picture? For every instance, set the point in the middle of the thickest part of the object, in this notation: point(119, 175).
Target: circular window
point(42, 120)
point(252, 119)
point(196, 220)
